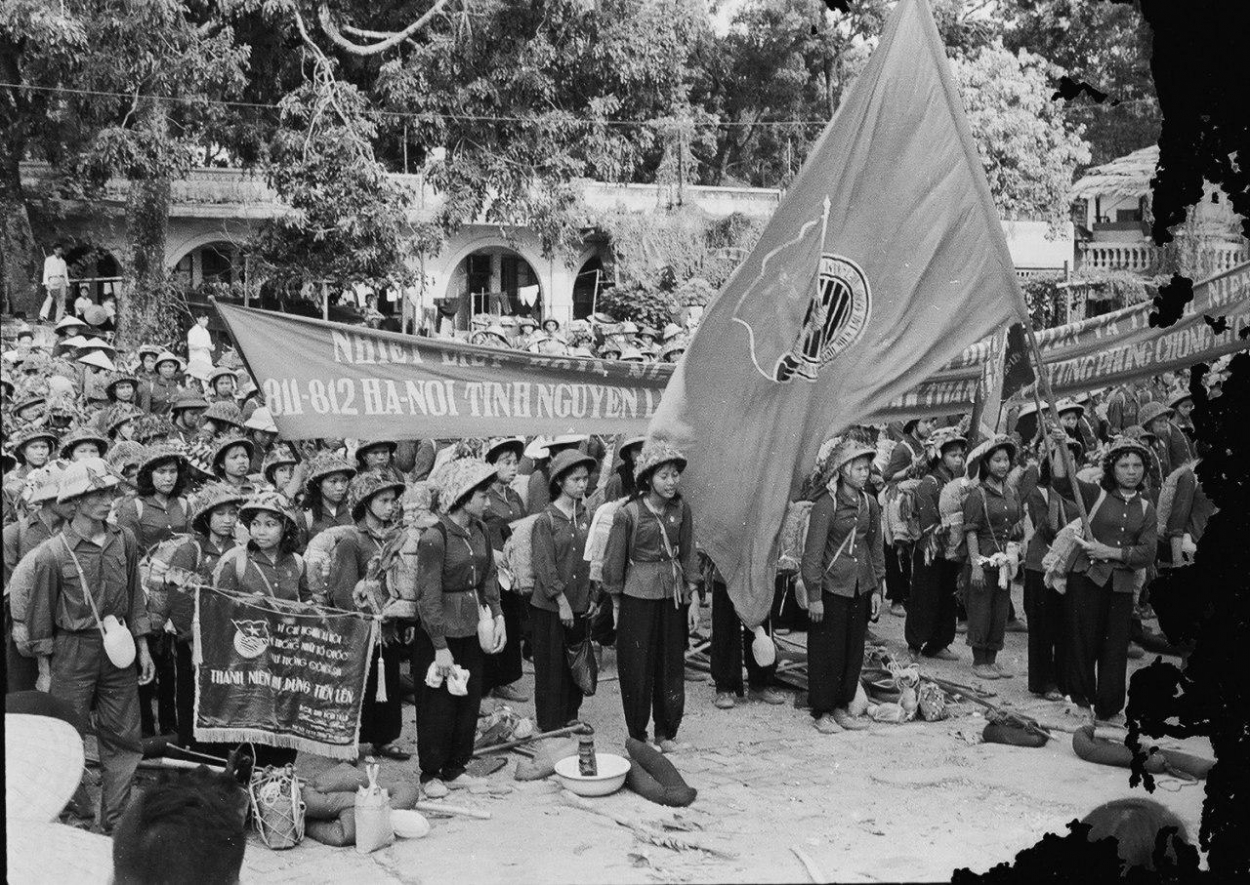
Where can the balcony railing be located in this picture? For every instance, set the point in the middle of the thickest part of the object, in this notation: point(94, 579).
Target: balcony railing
point(1142, 257)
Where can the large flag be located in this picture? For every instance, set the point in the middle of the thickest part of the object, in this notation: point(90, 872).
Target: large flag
point(885, 259)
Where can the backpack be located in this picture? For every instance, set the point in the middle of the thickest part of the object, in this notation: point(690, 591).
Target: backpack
point(793, 538)
point(153, 571)
point(597, 541)
point(951, 509)
point(400, 553)
point(320, 555)
point(518, 556)
point(1167, 496)
point(902, 516)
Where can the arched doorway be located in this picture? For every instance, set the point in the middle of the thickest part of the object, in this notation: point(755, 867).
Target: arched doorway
point(215, 262)
point(586, 288)
point(494, 280)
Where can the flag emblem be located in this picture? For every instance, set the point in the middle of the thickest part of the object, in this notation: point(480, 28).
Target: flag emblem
point(251, 638)
point(836, 315)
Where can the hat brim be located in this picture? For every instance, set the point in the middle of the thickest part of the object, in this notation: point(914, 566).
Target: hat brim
point(642, 475)
point(516, 446)
point(582, 461)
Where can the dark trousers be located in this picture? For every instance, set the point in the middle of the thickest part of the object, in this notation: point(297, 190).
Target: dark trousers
point(835, 652)
point(897, 572)
point(505, 668)
point(731, 643)
point(184, 693)
point(1096, 625)
point(602, 629)
point(446, 724)
point(557, 699)
point(1044, 609)
point(987, 613)
point(83, 676)
point(20, 672)
point(382, 722)
point(162, 689)
point(651, 641)
point(930, 625)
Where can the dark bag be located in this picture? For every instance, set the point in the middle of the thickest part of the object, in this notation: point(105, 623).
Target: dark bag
point(582, 664)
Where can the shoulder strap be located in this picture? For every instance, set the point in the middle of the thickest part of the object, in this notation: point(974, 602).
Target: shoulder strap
point(308, 519)
point(82, 579)
point(240, 564)
point(138, 508)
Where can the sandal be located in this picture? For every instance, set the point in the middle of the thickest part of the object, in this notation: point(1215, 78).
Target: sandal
point(390, 751)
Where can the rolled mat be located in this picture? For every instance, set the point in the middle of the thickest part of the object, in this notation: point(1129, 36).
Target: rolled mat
point(1162, 761)
point(654, 778)
point(1001, 733)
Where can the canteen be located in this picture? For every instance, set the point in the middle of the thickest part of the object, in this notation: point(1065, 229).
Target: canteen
point(485, 629)
point(763, 649)
point(119, 645)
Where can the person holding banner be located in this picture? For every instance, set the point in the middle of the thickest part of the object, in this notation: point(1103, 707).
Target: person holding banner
point(992, 526)
point(213, 517)
point(931, 607)
point(843, 572)
point(456, 575)
point(651, 571)
point(373, 497)
point(1106, 575)
point(267, 567)
point(561, 600)
point(325, 494)
point(87, 623)
point(504, 506)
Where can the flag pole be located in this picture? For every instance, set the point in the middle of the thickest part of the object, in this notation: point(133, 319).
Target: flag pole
point(1064, 451)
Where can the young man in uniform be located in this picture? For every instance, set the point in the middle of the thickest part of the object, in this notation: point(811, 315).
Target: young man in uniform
point(86, 573)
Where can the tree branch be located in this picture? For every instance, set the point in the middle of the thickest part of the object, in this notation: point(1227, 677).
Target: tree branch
point(388, 41)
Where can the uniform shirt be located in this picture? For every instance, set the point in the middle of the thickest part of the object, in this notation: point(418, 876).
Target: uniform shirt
point(903, 455)
point(452, 578)
point(199, 555)
point(849, 522)
point(637, 562)
point(158, 396)
point(538, 492)
point(1191, 508)
point(283, 579)
point(995, 516)
point(351, 562)
point(558, 547)
point(156, 522)
point(927, 496)
point(1120, 522)
point(503, 507)
point(58, 603)
point(1178, 448)
point(326, 519)
point(23, 536)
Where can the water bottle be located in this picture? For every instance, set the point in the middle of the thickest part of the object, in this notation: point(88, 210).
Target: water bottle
point(586, 764)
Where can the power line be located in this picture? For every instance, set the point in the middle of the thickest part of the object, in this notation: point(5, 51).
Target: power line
point(480, 118)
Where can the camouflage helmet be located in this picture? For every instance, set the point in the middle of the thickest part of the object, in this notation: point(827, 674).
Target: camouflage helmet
point(83, 433)
point(278, 455)
point(213, 495)
point(365, 486)
point(656, 452)
point(272, 502)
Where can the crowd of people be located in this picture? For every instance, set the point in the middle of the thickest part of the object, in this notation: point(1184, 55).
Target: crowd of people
point(111, 454)
point(599, 335)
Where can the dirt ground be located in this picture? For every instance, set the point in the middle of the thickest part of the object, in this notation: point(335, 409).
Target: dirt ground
point(909, 802)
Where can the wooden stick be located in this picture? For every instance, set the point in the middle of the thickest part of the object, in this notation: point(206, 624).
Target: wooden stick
point(642, 832)
point(508, 745)
point(814, 871)
point(452, 810)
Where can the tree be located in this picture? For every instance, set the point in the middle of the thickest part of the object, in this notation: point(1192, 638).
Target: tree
point(112, 88)
point(1029, 148)
point(1105, 44)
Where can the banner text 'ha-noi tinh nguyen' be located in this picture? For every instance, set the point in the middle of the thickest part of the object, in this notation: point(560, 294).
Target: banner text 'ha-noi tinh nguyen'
point(324, 379)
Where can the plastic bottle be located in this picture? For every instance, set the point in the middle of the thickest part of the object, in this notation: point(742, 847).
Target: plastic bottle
point(586, 764)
